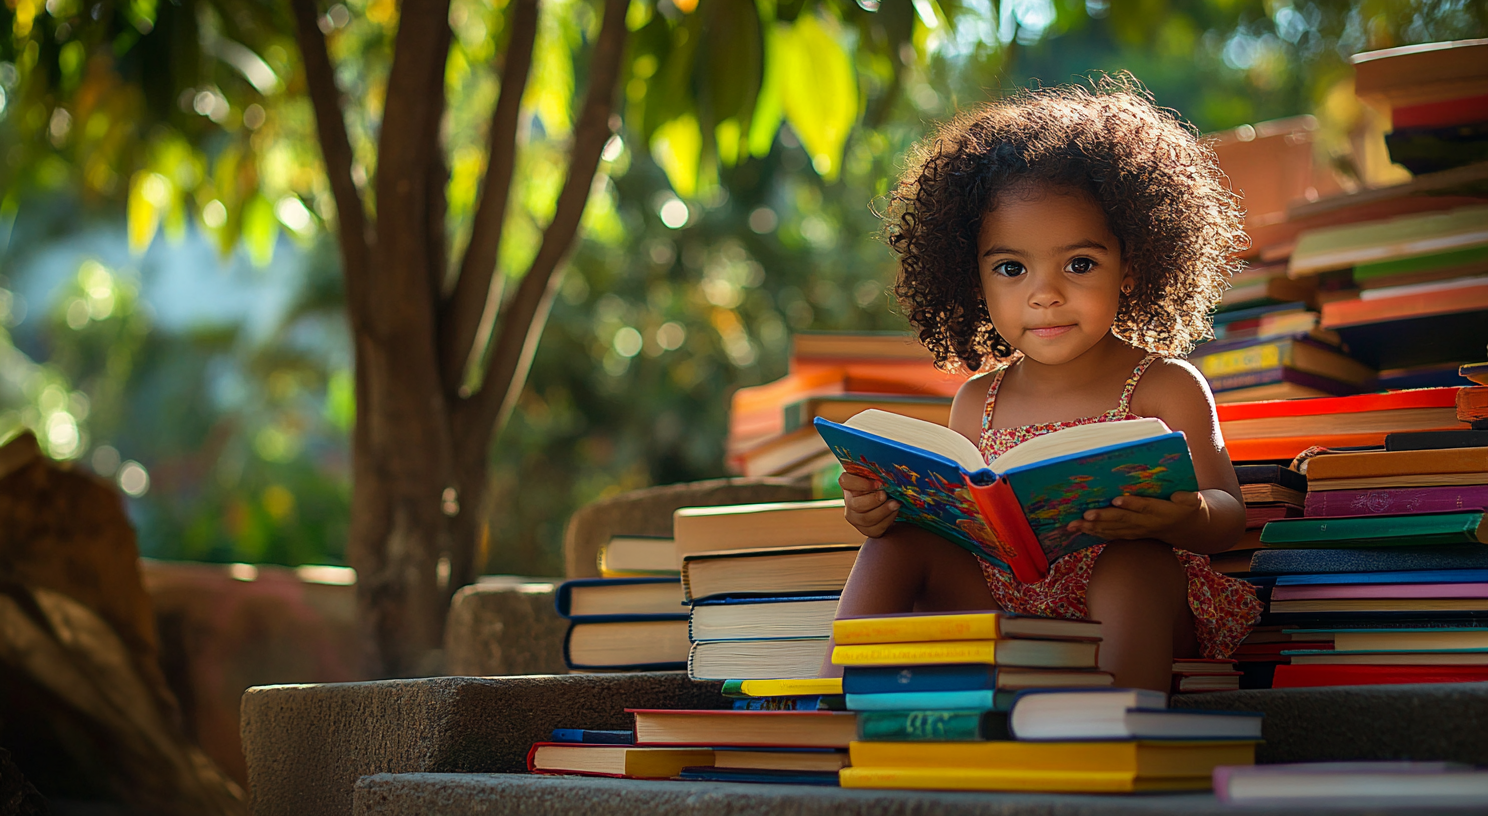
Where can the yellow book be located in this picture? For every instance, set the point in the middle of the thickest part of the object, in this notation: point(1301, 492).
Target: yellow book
point(1003, 779)
point(966, 626)
point(1030, 653)
point(1144, 759)
point(802, 687)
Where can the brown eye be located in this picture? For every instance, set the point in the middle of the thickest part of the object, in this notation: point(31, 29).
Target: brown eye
point(1080, 266)
point(1009, 269)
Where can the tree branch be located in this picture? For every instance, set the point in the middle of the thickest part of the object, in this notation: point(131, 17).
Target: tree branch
point(355, 237)
point(523, 319)
point(472, 295)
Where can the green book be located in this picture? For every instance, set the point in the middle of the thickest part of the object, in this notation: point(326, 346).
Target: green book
point(1430, 262)
point(1457, 527)
point(932, 726)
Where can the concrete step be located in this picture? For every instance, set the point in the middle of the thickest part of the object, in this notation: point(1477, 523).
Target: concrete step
point(521, 795)
point(306, 746)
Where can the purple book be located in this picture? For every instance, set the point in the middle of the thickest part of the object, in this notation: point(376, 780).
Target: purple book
point(1395, 501)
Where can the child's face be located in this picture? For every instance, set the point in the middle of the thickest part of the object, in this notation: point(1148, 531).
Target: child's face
point(1051, 272)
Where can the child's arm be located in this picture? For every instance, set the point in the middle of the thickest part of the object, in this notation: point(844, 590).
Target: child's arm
point(1209, 521)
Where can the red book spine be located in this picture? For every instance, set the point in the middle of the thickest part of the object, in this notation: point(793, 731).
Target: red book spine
point(1443, 397)
point(1460, 111)
point(1293, 676)
point(1004, 515)
point(1395, 501)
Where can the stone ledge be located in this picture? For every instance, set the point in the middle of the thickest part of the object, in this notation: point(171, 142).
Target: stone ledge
point(524, 795)
point(1435, 721)
point(307, 745)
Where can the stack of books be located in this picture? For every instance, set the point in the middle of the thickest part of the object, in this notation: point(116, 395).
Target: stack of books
point(762, 581)
point(638, 557)
point(832, 375)
point(624, 624)
point(1194, 675)
point(1386, 567)
point(1072, 740)
point(1436, 99)
point(1277, 351)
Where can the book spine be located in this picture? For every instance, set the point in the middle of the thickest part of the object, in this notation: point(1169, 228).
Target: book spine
point(1396, 500)
point(888, 654)
point(1283, 562)
point(848, 632)
point(931, 726)
point(1450, 528)
point(888, 679)
point(979, 700)
point(1023, 554)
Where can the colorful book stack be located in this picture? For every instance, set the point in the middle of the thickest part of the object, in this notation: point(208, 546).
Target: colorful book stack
point(1071, 740)
point(832, 375)
point(1386, 578)
point(1270, 492)
point(1193, 675)
point(1277, 351)
point(1436, 99)
point(762, 581)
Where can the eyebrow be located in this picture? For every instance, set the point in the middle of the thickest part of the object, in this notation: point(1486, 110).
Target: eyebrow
point(1086, 244)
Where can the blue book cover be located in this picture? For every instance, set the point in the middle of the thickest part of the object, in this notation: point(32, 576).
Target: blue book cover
point(704, 774)
point(887, 679)
point(1462, 576)
point(1367, 559)
point(588, 736)
point(973, 700)
point(1017, 519)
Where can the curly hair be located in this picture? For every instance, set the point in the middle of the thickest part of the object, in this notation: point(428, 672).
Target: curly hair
point(1161, 189)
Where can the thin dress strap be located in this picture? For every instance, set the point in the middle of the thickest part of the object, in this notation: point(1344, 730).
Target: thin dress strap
point(1131, 384)
point(992, 399)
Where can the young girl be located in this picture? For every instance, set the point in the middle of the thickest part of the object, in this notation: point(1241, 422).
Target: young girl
point(1078, 240)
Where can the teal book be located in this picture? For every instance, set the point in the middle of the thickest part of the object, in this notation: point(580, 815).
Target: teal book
point(1014, 511)
point(965, 700)
point(1418, 529)
point(932, 726)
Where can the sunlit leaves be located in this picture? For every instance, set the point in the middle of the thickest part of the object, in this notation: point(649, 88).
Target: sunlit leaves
point(260, 229)
point(677, 147)
point(150, 195)
point(820, 96)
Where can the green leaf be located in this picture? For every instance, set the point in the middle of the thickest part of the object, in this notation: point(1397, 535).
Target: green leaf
point(143, 209)
point(821, 100)
point(733, 58)
point(260, 230)
point(678, 148)
point(764, 123)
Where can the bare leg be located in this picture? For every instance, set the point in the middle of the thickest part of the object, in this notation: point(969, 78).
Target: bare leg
point(910, 569)
point(1139, 592)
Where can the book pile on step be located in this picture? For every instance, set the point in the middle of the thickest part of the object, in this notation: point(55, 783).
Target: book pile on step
point(1277, 351)
point(1194, 675)
point(624, 624)
point(833, 375)
point(1385, 578)
point(1436, 99)
point(1270, 492)
point(762, 581)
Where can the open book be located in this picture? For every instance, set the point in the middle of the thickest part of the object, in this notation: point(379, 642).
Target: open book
point(1014, 511)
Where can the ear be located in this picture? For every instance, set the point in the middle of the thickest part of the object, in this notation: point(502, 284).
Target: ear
point(1128, 280)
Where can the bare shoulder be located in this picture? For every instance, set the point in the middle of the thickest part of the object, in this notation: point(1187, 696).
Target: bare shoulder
point(1167, 379)
point(969, 404)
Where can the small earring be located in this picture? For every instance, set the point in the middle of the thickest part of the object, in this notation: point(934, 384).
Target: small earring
point(1126, 288)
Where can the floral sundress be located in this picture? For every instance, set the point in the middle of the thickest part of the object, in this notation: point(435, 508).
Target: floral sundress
point(1225, 609)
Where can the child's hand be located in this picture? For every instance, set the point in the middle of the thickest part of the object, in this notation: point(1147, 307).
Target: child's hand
point(868, 506)
point(1139, 517)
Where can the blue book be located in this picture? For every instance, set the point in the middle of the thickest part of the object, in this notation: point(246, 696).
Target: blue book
point(1366, 559)
point(621, 599)
point(876, 680)
point(1015, 511)
point(975, 700)
point(704, 774)
point(587, 736)
point(1464, 576)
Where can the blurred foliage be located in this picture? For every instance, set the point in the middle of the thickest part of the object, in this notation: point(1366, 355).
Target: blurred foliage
point(714, 232)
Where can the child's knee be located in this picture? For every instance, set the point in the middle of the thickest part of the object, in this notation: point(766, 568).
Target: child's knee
point(1146, 563)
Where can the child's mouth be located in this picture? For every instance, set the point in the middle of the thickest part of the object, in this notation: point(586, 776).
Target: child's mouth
point(1046, 332)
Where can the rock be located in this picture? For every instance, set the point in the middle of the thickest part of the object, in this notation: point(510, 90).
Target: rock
point(648, 512)
point(504, 628)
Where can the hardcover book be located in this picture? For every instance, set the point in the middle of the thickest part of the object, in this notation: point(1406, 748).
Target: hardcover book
point(613, 760)
point(1368, 559)
point(875, 680)
point(1396, 500)
point(1160, 758)
point(934, 626)
point(1421, 529)
point(933, 726)
point(1013, 512)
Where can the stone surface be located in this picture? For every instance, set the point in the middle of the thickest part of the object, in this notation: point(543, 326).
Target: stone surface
point(648, 512)
point(307, 745)
point(520, 795)
point(1440, 721)
point(504, 629)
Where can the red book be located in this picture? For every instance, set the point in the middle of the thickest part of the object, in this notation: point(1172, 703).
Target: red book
point(1418, 304)
point(1329, 406)
point(1281, 429)
point(1290, 676)
point(1396, 501)
point(1446, 113)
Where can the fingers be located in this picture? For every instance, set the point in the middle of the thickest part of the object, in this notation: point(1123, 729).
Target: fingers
point(857, 484)
point(880, 517)
point(866, 502)
point(1139, 504)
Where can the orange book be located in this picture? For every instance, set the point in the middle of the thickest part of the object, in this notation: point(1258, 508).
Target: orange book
point(1472, 403)
point(1370, 464)
point(1417, 304)
point(1281, 429)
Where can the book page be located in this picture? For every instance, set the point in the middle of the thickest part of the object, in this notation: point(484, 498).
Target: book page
point(1076, 439)
point(921, 434)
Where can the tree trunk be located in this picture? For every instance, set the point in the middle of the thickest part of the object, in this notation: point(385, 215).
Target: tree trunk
point(421, 442)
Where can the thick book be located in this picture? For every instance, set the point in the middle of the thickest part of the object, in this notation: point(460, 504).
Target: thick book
point(1368, 559)
point(1051, 712)
point(841, 407)
point(1440, 639)
point(1322, 471)
point(1392, 306)
point(1003, 779)
point(614, 760)
point(753, 526)
point(647, 644)
point(1369, 785)
point(962, 677)
point(1146, 724)
point(819, 568)
point(1289, 676)
point(932, 726)
point(756, 659)
point(1417, 74)
point(1436, 440)
point(1271, 474)
point(594, 599)
point(1165, 758)
point(1278, 384)
point(1396, 500)
point(1013, 512)
point(1472, 403)
point(768, 729)
point(1027, 653)
point(729, 618)
point(638, 555)
point(937, 626)
point(1229, 364)
point(1341, 247)
point(1420, 529)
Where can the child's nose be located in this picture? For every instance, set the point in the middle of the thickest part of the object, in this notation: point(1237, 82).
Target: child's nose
point(1045, 292)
